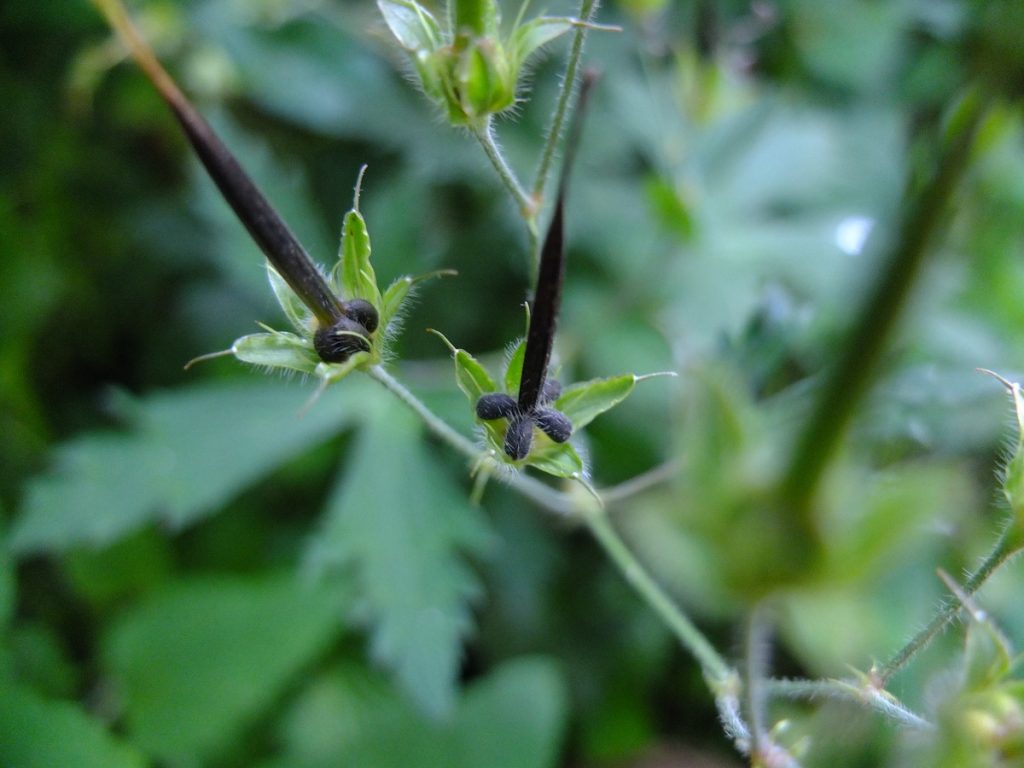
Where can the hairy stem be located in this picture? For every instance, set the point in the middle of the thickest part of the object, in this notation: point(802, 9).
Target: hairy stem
point(878, 700)
point(527, 206)
point(1003, 551)
point(714, 666)
point(923, 215)
point(587, 10)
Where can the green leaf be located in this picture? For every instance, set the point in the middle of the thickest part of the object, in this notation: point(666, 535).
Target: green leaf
point(298, 314)
point(584, 402)
point(534, 34)
point(40, 733)
point(514, 368)
point(184, 455)
point(512, 718)
point(276, 350)
point(195, 664)
point(412, 25)
point(558, 459)
point(358, 280)
point(400, 523)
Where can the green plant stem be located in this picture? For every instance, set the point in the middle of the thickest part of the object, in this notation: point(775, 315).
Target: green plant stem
point(642, 482)
point(922, 216)
point(753, 676)
point(714, 666)
point(1003, 551)
point(878, 700)
point(527, 206)
point(587, 10)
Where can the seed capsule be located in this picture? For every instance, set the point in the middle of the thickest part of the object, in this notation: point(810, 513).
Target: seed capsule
point(338, 342)
point(519, 437)
point(552, 391)
point(363, 312)
point(496, 405)
point(554, 424)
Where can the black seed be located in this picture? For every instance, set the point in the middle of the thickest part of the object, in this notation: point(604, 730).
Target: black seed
point(554, 424)
point(551, 392)
point(496, 405)
point(339, 342)
point(363, 312)
point(519, 437)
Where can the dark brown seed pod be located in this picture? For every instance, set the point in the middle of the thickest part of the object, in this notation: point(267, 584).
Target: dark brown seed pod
point(363, 312)
point(554, 424)
point(552, 391)
point(496, 405)
point(519, 437)
point(337, 343)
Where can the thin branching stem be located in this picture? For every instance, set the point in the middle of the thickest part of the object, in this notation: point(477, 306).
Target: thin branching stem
point(842, 391)
point(1003, 551)
point(714, 666)
point(587, 10)
point(642, 482)
point(754, 664)
point(527, 206)
point(845, 690)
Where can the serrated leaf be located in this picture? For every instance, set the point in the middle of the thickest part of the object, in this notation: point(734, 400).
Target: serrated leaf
point(195, 664)
point(514, 368)
point(356, 720)
point(400, 523)
point(522, 703)
point(184, 454)
point(276, 350)
point(584, 402)
point(42, 733)
point(298, 314)
point(358, 280)
point(413, 26)
point(558, 459)
point(534, 34)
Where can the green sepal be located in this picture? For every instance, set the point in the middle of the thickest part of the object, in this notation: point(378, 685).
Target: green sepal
point(583, 402)
point(298, 314)
point(514, 367)
point(413, 26)
point(534, 34)
point(357, 278)
point(558, 459)
point(480, 17)
point(329, 373)
point(276, 350)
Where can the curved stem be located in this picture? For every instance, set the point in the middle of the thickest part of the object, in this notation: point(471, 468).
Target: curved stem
point(587, 10)
point(527, 206)
point(714, 666)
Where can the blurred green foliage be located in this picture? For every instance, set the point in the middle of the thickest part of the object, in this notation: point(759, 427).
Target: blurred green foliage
point(193, 573)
